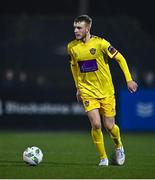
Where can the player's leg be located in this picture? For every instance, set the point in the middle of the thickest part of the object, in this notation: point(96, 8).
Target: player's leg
point(91, 107)
point(108, 114)
point(97, 135)
point(113, 129)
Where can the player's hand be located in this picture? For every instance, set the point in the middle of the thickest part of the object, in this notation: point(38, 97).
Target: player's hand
point(78, 96)
point(132, 86)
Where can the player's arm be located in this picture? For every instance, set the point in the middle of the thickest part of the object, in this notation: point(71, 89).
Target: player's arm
point(123, 64)
point(73, 67)
point(114, 54)
point(132, 85)
point(74, 73)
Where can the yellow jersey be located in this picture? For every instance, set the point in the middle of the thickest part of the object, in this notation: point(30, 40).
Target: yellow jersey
point(90, 67)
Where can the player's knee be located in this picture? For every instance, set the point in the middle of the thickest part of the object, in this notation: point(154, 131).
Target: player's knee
point(109, 124)
point(96, 125)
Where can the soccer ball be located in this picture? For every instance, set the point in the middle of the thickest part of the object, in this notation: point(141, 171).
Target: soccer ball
point(33, 155)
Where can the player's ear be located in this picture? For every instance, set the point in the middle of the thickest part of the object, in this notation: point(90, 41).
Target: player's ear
point(87, 29)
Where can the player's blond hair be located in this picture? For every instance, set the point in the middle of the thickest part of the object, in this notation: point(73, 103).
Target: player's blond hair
point(84, 18)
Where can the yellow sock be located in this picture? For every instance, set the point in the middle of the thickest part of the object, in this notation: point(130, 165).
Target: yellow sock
point(98, 139)
point(115, 135)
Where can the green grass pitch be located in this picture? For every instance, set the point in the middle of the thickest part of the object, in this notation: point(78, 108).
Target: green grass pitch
point(72, 155)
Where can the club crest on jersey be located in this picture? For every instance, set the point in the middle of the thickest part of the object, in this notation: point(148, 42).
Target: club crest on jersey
point(86, 103)
point(92, 51)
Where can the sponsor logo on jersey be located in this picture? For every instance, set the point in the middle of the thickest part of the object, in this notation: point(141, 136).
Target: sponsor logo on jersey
point(88, 65)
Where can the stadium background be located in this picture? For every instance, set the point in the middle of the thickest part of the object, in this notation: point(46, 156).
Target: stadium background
point(36, 86)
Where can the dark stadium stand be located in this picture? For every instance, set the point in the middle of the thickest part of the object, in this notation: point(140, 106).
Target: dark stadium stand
point(35, 45)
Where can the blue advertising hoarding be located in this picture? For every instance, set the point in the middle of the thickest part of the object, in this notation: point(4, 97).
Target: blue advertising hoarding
point(137, 110)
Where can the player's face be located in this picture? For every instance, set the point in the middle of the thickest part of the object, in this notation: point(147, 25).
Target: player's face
point(80, 29)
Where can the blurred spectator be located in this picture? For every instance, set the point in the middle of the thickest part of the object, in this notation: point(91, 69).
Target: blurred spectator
point(22, 79)
point(149, 79)
point(41, 81)
point(8, 80)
